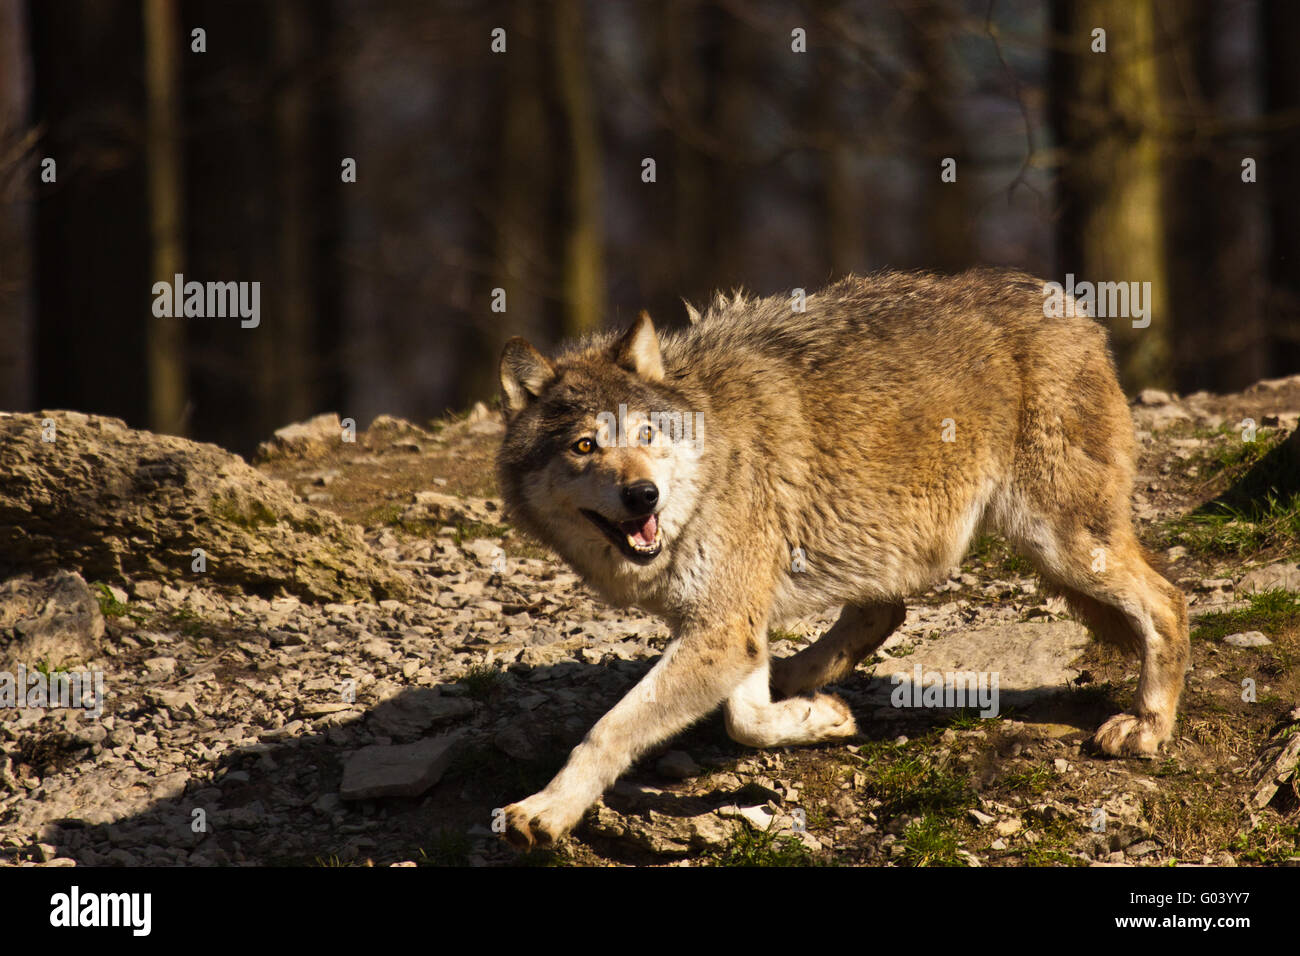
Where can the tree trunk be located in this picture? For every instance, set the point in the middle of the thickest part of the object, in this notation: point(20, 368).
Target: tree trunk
point(584, 266)
point(93, 275)
point(1107, 108)
point(1280, 21)
point(845, 237)
point(166, 362)
point(521, 220)
point(945, 213)
point(18, 172)
point(287, 355)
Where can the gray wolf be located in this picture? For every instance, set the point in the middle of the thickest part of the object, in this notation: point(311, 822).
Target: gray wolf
point(876, 432)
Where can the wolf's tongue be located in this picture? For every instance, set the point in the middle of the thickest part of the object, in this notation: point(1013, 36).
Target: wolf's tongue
point(642, 531)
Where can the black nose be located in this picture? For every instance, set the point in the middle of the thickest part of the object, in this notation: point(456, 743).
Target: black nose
point(641, 496)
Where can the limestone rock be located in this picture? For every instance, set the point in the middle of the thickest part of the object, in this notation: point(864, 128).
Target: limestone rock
point(313, 437)
point(1247, 639)
point(1279, 574)
point(407, 770)
point(116, 503)
point(678, 765)
point(52, 620)
point(416, 710)
point(662, 834)
point(437, 508)
point(1275, 766)
point(1031, 659)
point(1154, 410)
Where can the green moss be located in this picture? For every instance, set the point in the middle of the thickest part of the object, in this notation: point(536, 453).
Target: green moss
point(382, 514)
point(1235, 456)
point(470, 530)
point(1056, 839)
point(391, 515)
point(776, 634)
point(308, 526)
point(186, 621)
point(249, 515)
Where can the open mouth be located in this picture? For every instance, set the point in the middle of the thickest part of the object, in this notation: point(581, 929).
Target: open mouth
point(639, 539)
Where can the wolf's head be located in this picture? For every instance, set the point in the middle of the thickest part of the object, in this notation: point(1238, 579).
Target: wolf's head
point(600, 454)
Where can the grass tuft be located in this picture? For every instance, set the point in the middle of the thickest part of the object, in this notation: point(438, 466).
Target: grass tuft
point(109, 606)
point(914, 785)
point(751, 847)
point(1270, 612)
point(481, 680)
point(931, 841)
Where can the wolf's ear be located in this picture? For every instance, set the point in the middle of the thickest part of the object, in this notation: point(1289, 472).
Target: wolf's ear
point(637, 350)
point(524, 373)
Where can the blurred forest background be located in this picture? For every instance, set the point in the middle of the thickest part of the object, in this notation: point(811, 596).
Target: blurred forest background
point(523, 170)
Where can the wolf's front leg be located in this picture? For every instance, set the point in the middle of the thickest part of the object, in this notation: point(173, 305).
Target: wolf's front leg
point(697, 673)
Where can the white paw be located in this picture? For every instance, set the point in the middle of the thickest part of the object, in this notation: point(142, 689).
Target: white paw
point(540, 820)
point(1127, 736)
point(830, 718)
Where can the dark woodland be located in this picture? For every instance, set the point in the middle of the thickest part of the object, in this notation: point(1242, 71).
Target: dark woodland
point(779, 163)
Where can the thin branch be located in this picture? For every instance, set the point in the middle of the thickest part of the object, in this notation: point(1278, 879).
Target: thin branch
point(1020, 178)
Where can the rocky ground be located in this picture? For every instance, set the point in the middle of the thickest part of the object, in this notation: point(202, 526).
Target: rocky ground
point(261, 711)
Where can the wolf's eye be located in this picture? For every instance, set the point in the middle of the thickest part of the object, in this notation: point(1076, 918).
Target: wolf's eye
point(644, 434)
point(584, 446)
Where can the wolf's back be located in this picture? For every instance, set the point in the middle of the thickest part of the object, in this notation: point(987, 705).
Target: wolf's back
point(916, 338)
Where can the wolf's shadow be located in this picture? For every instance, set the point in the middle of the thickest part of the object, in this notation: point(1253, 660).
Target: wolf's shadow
point(275, 802)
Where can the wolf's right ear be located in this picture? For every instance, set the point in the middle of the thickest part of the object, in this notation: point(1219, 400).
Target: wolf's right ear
point(637, 350)
point(524, 373)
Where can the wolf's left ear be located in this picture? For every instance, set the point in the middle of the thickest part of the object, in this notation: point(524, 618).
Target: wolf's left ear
point(637, 350)
point(524, 373)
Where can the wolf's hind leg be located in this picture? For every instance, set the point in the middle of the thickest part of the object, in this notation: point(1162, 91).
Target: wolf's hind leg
point(1109, 584)
point(755, 720)
point(859, 630)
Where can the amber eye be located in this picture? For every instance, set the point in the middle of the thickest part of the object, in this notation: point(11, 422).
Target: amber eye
point(644, 434)
point(584, 446)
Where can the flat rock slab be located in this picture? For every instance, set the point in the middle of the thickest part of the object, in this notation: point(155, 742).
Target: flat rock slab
point(405, 770)
point(416, 710)
point(1247, 639)
point(1031, 660)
